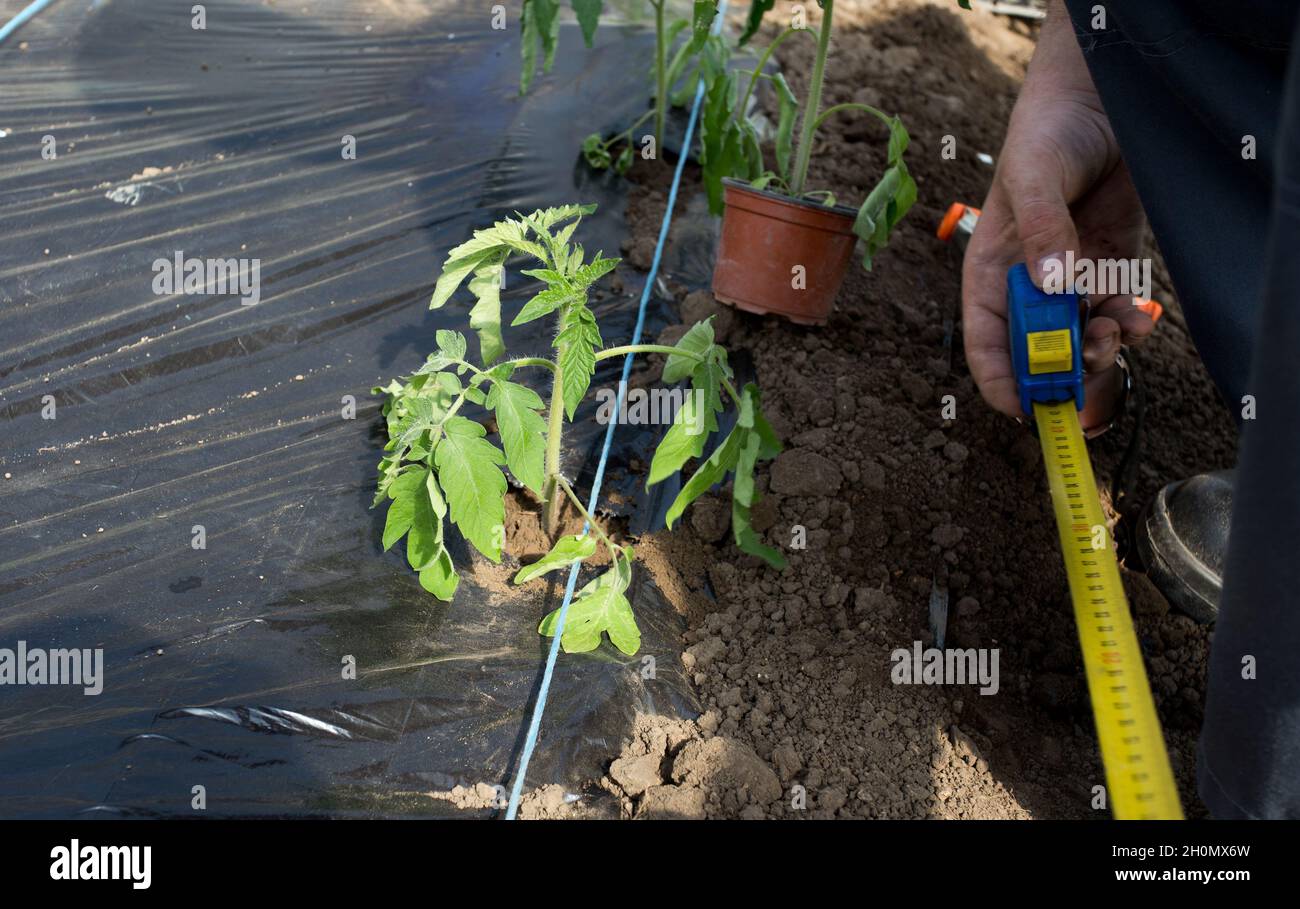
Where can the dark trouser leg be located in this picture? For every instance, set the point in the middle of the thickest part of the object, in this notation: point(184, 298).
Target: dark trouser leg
point(1250, 744)
point(1181, 97)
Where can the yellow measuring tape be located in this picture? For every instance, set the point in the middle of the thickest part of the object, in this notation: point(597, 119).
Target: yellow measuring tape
point(1139, 780)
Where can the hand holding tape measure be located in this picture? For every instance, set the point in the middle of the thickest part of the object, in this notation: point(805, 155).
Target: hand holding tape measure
point(1045, 335)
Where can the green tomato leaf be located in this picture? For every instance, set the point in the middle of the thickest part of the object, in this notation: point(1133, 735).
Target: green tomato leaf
point(523, 431)
point(697, 340)
point(756, 11)
point(440, 578)
point(485, 317)
point(588, 13)
point(470, 475)
point(789, 111)
point(701, 21)
point(400, 514)
point(698, 417)
point(544, 303)
point(451, 344)
point(599, 607)
point(743, 498)
point(710, 473)
point(595, 153)
point(424, 542)
point(593, 271)
point(577, 342)
point(624, 162)
point(566, 551)
point(528, 48)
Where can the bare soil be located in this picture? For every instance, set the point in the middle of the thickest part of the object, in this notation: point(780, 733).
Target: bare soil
point(801, 717)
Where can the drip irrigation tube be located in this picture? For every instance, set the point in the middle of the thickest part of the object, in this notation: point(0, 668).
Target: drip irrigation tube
point(534, 725)
point(22, 18)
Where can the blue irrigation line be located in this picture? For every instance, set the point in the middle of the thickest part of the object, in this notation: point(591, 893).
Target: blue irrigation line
point(22, 18)
point(534, 725)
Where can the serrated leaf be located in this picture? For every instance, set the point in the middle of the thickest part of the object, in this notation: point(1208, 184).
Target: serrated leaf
point(624, 162)
point(697, 340)
point(588, 13)
point(595, 153)
point(743, 498)
point(789, 112)
point(600, 607)
point(528, 47)
point(440, 578)
point(577, 360)
point(451, 344)
point(402, 511)
point(701, 21)
point(543, 304)
point(710, 473)
point(470, 475)
point(485, 317)
point(547, 218)
point(593, 271)
point(756, 11)
point(424, 541)
point(719, 137)
point(523, 431)
point(566, 551)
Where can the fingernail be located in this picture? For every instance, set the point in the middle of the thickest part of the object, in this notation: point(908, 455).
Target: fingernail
point(1053, 273)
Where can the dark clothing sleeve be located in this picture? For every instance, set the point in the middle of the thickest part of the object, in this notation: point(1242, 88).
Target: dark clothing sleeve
point(1185, 83)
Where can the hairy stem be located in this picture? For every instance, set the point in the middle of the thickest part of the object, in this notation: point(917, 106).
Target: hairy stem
point(554, 430)
point(812, 104)
point(591, 522)
point(645, 348)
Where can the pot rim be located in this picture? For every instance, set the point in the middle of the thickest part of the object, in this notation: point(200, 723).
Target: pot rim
point(744, 186)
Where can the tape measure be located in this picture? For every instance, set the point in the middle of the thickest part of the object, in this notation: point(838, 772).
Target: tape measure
point(1047, 354)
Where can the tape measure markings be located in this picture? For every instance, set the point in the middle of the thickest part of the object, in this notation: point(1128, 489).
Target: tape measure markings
point(1138, 775)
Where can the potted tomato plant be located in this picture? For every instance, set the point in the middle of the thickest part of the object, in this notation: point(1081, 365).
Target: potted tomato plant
point(785, 249)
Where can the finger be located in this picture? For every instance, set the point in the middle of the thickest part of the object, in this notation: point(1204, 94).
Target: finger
point(1135, 325)
point(992, 249)
point(1101, 340)
point(1035, 188)
point(1102, 392)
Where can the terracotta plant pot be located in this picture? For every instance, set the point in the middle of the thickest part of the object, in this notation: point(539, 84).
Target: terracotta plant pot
point(765, 238)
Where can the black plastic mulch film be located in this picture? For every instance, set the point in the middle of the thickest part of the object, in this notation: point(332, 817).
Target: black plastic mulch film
point(223, 666)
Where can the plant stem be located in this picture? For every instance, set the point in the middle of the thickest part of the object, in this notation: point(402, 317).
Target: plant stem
point(812, 105)
point(853, 105)
point(661, 76)
point(762, 62)
point(645, 348)
point(591, 522)
point(554, 430)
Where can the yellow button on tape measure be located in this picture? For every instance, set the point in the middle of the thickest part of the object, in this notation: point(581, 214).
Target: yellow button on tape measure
point(1138, 776)
point(1050, 351)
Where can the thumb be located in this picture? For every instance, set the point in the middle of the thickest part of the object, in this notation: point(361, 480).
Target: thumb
point(1036, 189)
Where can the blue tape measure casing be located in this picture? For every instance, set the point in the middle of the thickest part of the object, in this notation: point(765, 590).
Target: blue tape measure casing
point(1046, 342)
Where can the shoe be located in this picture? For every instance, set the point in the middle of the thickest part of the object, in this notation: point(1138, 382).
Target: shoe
point(1182, 540)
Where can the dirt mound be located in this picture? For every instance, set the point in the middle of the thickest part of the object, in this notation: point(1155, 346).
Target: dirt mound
point(894, 501)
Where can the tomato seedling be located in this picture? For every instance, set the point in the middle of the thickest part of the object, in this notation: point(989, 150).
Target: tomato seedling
point(439, 464)
point(677, 47)
point(730, 142)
